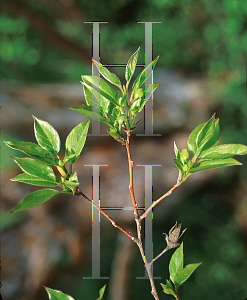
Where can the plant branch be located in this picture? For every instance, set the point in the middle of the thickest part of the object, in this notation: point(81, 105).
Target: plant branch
point(162, 252)
point(131, 188)
point(80, 193)
point(148, 266)
point(160, 199)
point(138, 221)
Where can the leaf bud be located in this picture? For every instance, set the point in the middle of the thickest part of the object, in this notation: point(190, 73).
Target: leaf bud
point(138, 93)
point(185, 154)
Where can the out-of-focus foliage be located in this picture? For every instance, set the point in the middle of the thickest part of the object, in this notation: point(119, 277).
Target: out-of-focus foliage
point(206, 36)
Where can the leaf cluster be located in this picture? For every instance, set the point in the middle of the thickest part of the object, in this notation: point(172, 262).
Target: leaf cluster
point(202, 146)
point(38, 168)
point(58, 295)
point(117, 108)
point(178, 273)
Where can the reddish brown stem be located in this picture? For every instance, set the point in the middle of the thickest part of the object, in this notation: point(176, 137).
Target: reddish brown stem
point(138, 221)
point(131, 187)
point(80, 193)
point(157, 201)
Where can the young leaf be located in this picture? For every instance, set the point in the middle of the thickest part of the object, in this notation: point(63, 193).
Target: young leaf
point(214, 139)
point(34, 199)
point(214, 163)
point(168, 289)
point(169, 285)
point(147, 91)
point(36, 168)
point(34, 180)
point(118, 137)
point(46, 136)
point(89, 96)
point(176, 150)
point(114, 113)
point(101, 87)
point(93, 98)
point(206, 132)
point(131, 65)
point(57, 295)
point(178, 164)
point(87, 111)
point(144, 75)
point(111, 77)
point(184, 274)
point(71, 185)
point(224, 151)
point(123, 100)
point(184, 155)
point(192, 146)
point(101, 292)
point(76, 139)
point(176, 262)
point(34, 150)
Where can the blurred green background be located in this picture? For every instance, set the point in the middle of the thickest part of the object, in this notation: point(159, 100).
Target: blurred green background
point(47, 42)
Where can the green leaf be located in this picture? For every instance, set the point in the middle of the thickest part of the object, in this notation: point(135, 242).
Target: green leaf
point(118, 137)
point(87, 111)
point(224, 151)
point(123, 100)
point(206, 132)
point(167, 289)
point(131, 65)
point(214, 139)
point(76, 139)
point(34, 199)
point(34, 180)
point(144, 75)
point(36, 168)
point(72, 182)
point(135, 104)
point(73, 177)
point(176, 150)
point(111, 77)
point(169, 284)
point(101, 87)
point(148, 90)
point(120, 119)
point(214, 163)
point(184, 154)
point(57, 295)
point(138, 93)
point(176, 262)
point(178, 164)
point(101, 292)
point(46, 136)
point(192, 146)
point(114, 112)
point(96, 100)
point(71, 185)
point(184, 274)
point(35, 151)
